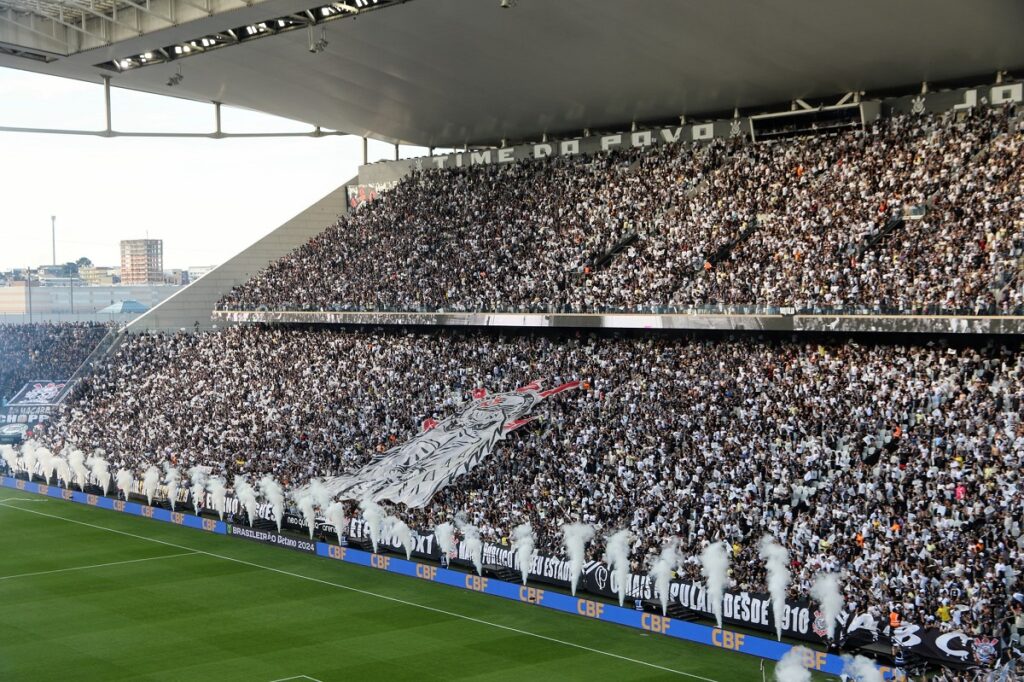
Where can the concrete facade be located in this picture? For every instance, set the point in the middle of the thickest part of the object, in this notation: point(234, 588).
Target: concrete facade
point(194, 303)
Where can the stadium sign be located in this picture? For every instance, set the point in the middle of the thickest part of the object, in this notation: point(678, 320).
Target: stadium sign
point(272, 538)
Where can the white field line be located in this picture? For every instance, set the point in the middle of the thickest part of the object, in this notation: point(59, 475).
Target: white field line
point(86, 568)
point(372, 594)
point(297, 677)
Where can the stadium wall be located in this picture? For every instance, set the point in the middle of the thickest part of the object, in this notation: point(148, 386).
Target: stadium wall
point(649, 622)
point(787, 321)
point(191, 305)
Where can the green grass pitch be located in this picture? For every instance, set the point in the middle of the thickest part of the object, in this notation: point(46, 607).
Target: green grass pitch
point(86, 594)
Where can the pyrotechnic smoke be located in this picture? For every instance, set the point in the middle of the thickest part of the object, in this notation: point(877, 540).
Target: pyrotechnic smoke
point(445, 534)
point(616, 555)
point(523, 541)
point(825, 591)
point(150, 481)
point(11, 457)
point(63, 471)
point(336, 517)
point(714, 566)
point(218, 494)
point(198, 477)
point(394, 527)
point(575, 537)
point(173, 476)
point(29, 459)
point(246, 497)
point(47, 465)
point(662, 569)
point(304, 501)
point(374, 517)
point(76, 460)
point(321, 496)
point(474, 546)
point(791, 667)
point(861, 668)
point(272, 493)
point(124, 480)
point(776, 560)
point(100, 471)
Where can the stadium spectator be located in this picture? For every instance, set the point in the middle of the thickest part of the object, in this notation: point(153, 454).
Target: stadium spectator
point(898, 464)
point(798, 222)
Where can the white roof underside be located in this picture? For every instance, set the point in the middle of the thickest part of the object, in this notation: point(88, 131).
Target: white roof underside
point(452, 72)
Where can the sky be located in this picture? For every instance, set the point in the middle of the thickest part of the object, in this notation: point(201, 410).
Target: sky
point(207, 199)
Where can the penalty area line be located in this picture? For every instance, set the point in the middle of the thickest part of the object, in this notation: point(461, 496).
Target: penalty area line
point(396, 600)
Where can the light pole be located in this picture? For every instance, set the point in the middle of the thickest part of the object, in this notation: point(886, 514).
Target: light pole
point(53, 236)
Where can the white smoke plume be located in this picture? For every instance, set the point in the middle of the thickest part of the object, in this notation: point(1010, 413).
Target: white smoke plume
point(11, 457)
point(246, 497)
point(150, 482)
point(100, 471)
point(304, 501)
point(474, 546)
point(63, 471)
point(523, 542)
point(273, 494)
point(714, 566)
point(445, 534)
point(825, 591)
point(76, 460)
point(662, 569)
point(198, 478)
point(173, 479)
point(124, 480)
point(575, 537)
point(321, 496)
point(396, 528)
point(29, 459)
point(861, 668)
point(776, 560)
point(1009, 579)
point(218, 494)
point(616, 555)
point(336, 517)
point(374, 517)
point(47, 465)
point(791, 668)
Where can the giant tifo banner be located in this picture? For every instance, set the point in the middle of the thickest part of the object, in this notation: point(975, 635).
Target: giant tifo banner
point(36, 401)
point(414, 471)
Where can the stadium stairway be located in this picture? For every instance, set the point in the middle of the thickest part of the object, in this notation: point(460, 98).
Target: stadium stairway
point(193, 304)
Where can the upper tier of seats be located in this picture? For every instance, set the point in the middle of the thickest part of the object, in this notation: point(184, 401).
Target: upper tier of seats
point(812, 223)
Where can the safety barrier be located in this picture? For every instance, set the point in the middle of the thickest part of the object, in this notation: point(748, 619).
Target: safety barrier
point(596, 610)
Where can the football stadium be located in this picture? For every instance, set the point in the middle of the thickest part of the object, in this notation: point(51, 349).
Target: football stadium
point(685, 340)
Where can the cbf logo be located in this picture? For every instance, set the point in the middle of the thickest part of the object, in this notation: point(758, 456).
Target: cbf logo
point(20, 485)
point(209, 525)
point(68, 494)
point(335, 552)
point(91, 500)
point(119, 505)
point(147, 512)
point(44, 490)
point(178, 518)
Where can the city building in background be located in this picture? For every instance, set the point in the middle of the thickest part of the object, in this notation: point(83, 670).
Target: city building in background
point(142, 262)
point(197, 271)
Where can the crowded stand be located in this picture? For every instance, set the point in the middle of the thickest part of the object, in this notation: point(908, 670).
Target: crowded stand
point(898, 465)
point(48, 351)
point(917, 213)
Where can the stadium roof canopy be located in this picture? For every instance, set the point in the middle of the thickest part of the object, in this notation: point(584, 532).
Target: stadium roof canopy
point(453, 72)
